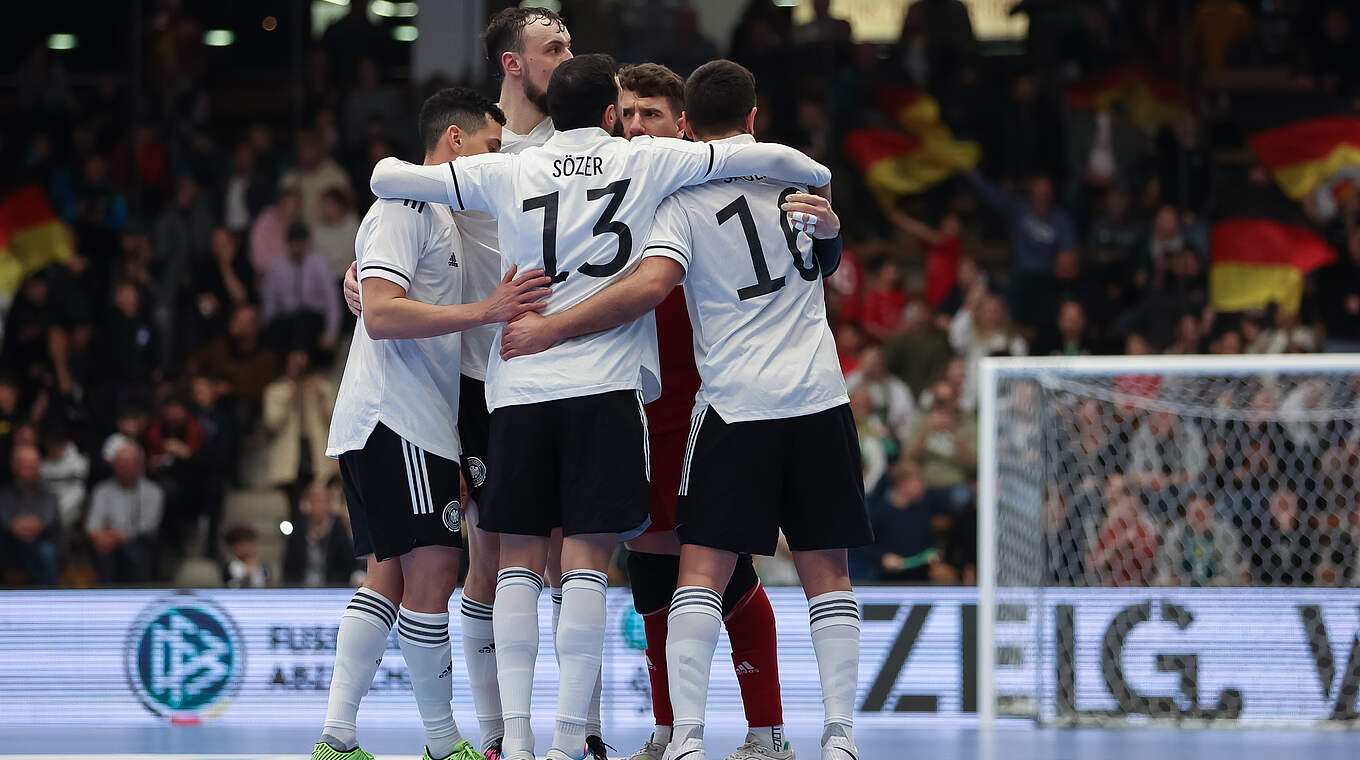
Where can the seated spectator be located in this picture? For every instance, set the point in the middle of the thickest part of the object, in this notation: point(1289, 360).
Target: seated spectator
point(1188, 340)
point(315, 172)
point(297, 414)
point(1112, 245)
point(129, 353)
point(64, 469)
point(125, 516)
point(1199, 549)
point(221, 282)
point(1341, 298)
point(10, 419)
point(173, 441)
point(30, 520)
point(300, 306)
point(1283, 547)
point(920, 350)
point(240, 358)
point(849, 341)
point(891, 398)
point(1065, 539)
point(1069, 337)
point(970, 284)
point(269, 235)
point(1125, 550)
point(1167, 456)
point(879, 309)
point(904, 539)
point(875, 442)
point(981, 329)
point(1277, 333)
point(943, 446)
point(1039, 232)
point(243, 568)
point(334, 234)
point(320, 551)
point(213, 409)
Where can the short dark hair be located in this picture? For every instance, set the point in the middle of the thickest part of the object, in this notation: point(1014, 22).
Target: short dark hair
point(651, 80)
point(460, 106)
point(505, 32)
point(718, 96)
point(581, 89)
point(237, 534)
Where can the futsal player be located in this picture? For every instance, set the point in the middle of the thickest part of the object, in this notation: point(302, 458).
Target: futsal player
point(394, 432)
point(772, 443)
point(568, 434)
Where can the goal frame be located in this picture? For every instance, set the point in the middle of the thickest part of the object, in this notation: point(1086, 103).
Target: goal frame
point(993, 369)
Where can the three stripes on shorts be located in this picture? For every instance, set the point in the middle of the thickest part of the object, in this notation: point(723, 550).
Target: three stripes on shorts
point(417, 478)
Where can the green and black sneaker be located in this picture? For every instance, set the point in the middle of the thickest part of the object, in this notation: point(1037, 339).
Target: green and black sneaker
point(324, 751)
point(461, 751)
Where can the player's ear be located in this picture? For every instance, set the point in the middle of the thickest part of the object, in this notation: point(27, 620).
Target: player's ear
point(610, 116)
point(751, 121)
point(510, 63)
point(454, 137)
point(685, 128)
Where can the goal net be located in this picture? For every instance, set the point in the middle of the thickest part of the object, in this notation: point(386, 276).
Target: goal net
point(1160, 538)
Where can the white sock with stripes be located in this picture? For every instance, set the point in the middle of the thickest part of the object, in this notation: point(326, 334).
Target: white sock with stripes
point(593, 727)
point(515, 619)
point(359, 648)
point(692, 634)
point(479, 654)
point(834, 619)
point(424, 638)
point(580, 643)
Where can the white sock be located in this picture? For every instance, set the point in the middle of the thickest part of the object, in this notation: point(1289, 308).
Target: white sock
point(769, 737)
point(424, 638)
point(515, 618)
point(479, 654)
point(359, 648)
point(693, 623)
point(834, 619)
point(593, 725)
point(580, 643)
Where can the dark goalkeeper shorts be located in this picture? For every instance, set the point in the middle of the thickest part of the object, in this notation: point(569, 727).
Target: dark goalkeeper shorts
point(400, 496)
point(743, 482)
point(580, 464)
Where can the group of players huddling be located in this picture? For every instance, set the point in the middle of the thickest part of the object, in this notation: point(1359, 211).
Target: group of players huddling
point(511, 293)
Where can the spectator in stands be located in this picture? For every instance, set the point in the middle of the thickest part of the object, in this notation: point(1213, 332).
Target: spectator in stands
point(213, 410)
point(1283, 547)
point(942, 249)
point(904, 547)
point(1030, 138)
point(823, 29)
point(128, 349)
point(1188, 339)
point(688, 48)
point(920, 351)
point(240, 358)
point(936, 39)
point(236, 211)
point(221, 282)
point(1069, 337)
point(970, 284)
point(1334, 53)
point(1125, 550)
point(943, 445)
point(980, 329)
point(1217, 26)
point(875, 440)
point(300, 305)
point(849, 341)
point(30, 519)
point(892, 399)
point(297, 414)
point(243, 568)
point(1341, 298)
point(64, 469)
point(125, 515)
point(319, 552)
point(315, 172)
point(183, 232)
point(11, 418)
point(1065, 539)
point(334, 236)
point(1039, 232)
point(174, 439)
point(26, 327)
point(1166, 456)
point(878, 311)
point(1200, 547)
point(1185, 167)
point(1112, 244)
point(269, 235)
point(370, 98)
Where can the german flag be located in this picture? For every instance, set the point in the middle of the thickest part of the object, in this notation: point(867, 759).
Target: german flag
point(1306, 155)
point(896, 163)
point(31, 237)
point(1262, 249)
point(1149, 99)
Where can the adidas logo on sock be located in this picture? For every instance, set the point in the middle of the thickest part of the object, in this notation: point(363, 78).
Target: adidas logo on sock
point(746, 669)
point(488, 649)
point(448, 671)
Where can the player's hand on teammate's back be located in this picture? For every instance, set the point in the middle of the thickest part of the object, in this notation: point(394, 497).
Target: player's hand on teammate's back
point(352, 290)
point(826, 224)
point(517, 295)
point(532, 333)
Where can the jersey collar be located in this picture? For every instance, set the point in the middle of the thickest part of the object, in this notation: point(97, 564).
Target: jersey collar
point(536, 136)
point(741, 139)
point(575, 138)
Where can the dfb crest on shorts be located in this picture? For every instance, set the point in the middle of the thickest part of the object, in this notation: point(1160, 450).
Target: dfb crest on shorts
point(453, 516)
point(477, 469)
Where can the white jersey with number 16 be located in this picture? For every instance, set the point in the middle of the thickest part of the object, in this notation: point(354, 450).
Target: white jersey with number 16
point(754, 292)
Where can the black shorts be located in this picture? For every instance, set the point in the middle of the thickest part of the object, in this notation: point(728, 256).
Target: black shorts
point(579, 464)
point(474, 432)
point(400, 496)
point(743, 482)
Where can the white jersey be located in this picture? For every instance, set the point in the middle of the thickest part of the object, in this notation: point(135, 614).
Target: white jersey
point(753, 288)
point(409, 385)
point(580, 206)
point(481, 251)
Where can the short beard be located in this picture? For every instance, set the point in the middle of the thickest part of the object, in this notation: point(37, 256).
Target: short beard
point(536, 96)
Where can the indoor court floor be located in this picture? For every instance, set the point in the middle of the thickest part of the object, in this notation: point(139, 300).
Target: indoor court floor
point(877, 741)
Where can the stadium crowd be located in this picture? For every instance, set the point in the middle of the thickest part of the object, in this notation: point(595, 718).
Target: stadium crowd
point(188, 350)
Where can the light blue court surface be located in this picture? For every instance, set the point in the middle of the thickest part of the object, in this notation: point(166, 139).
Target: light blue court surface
point(875, 743)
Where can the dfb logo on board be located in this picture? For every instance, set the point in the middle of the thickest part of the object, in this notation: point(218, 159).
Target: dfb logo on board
point(184, 658)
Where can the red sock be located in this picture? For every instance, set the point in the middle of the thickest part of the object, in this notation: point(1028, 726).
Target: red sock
point(654, 623)
point(751, 630)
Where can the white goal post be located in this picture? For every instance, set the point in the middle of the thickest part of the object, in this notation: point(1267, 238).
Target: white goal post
point(1169, 538)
